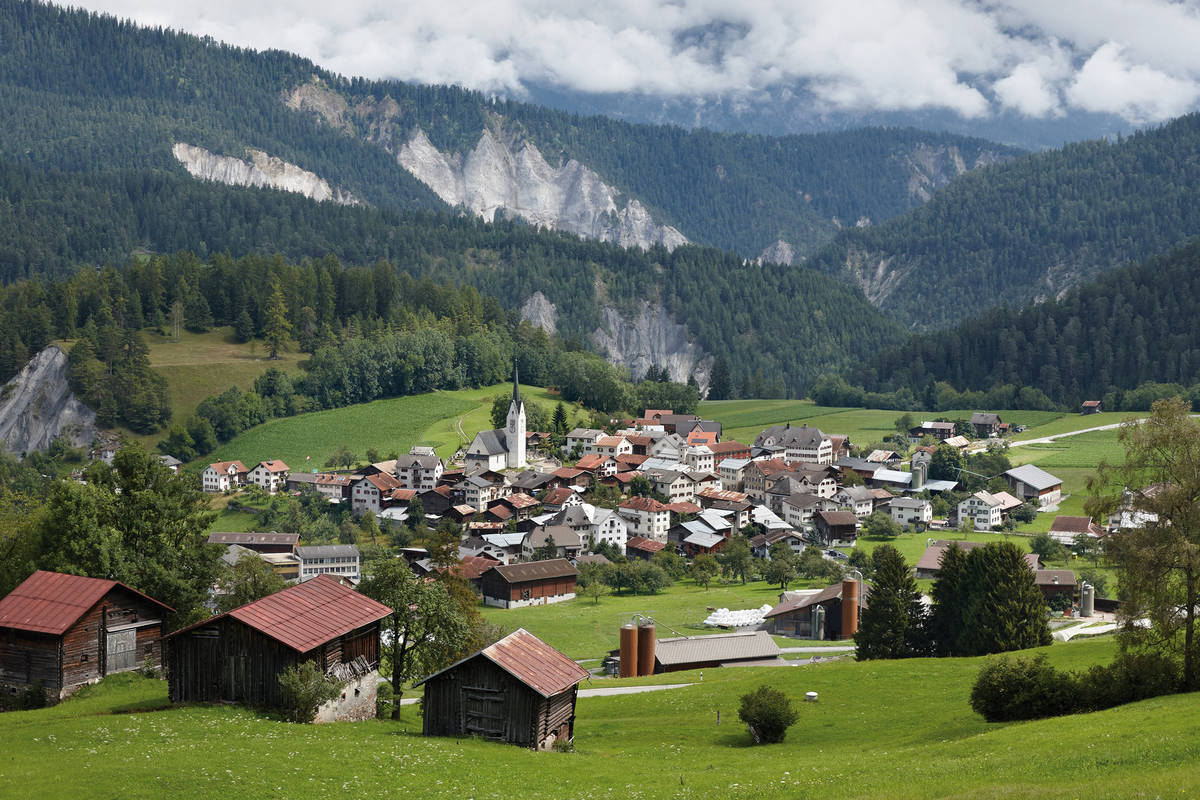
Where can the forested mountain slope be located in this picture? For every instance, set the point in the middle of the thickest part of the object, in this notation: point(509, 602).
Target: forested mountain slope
point(1133, 325)
point(81, 92)
point(1029, 229)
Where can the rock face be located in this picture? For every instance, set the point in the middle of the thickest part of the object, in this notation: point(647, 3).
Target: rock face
point(779, 253)
point(499, 177)
point(539, 311)
point(651, 339)
point(261, 170)
point(37, 406)
point(931, 168)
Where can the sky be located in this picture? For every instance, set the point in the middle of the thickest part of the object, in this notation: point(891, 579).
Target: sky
point(1034, 58)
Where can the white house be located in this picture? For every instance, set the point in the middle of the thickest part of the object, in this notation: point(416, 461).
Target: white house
point(646, 517)
point(857, 499)
point(983, 508)
point(223, 476)
point(610, 527)
point(420, 469)
point(581, 438)
point(699, 457)
point(910, 511)
point(367, 494)
point(797, 444)
point(608, 446)
point(730, 471)
point(328, 559)
point(270, 475)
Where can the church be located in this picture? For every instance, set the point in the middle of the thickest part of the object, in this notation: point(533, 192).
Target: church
point(502, 448)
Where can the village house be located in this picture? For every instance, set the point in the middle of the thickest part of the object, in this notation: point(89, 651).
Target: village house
point(420, 469)
point(675, 486)
point(798, 509)
point(983, 509)
point(335, 488)
point(535, 583)
point(237, 656)
point(643, 548)
point(754, 479)
point(797, 444)
point(59, 632)
point(699, 458)
point(646, 517)
point(855, 499)
point(1055, 582)
point(608, 446)
point(930, 562)
point(1091, 407)
point(581, 438)
point(938, 430)
point(1064, 529)
point(223, 476)
point(910, 511)
point(809, 614)
point(836, 528)
point(986, 425)
point(558, 499)
point(610, 528)
point(519, 690)
point(566, 542)
point(367, 494)
point(270, 475)
point(730, 471)
point(1028, 481)
point(598, 465)
point(328, 559)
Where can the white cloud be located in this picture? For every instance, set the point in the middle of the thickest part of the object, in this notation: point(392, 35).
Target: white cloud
point(1032, 56)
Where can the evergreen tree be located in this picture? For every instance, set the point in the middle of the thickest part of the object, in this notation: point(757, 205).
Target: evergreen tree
point(560, 419)
point(720, 383)
point(949, 596)
point(893, 622)
point(1005, 609)
point(276, 328)
point(243, 327)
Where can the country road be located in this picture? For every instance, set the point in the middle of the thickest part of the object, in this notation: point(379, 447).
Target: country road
point(1049, 439)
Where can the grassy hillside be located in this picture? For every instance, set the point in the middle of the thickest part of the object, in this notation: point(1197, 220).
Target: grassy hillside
point(880, 729)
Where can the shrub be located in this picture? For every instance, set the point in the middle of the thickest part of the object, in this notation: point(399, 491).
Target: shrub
point(563, 746)
point(1131, 677)
point(768, 713)
point(305, 689)
point(384, 701)
point(1023, 688)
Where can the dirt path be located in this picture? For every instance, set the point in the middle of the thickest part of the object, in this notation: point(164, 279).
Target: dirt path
point(1049, 439)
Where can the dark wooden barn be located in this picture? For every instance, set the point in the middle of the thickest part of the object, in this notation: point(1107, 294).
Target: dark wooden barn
point(64, 631)
point(532, 584)
point(519, 690)
point(237, 656)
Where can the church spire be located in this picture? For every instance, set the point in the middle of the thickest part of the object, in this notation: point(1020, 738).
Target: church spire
point(516, 398)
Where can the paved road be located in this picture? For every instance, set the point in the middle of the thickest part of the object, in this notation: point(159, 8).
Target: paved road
point(1049, 439)
point(611, 690)
point(845, 648)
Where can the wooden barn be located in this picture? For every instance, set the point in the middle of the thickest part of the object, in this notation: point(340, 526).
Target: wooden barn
point(531, 584)
point(519, 690)
point(64, 631)
point(237, 656)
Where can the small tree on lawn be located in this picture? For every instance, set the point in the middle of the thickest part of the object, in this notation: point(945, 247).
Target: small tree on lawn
point(305, 689)
point(881, 525)
point(704, 569)
point(595, 589)
point(893, 623)
point(768, 713)
point(736, 558)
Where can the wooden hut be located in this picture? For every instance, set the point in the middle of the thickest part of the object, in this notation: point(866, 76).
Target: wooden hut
point(64, 631)
point(519, 690)
point(237, 656)
point(534, 583)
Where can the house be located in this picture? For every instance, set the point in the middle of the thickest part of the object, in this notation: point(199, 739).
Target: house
point(519, 690)
point(797, 444)
point(521, 505)
point(569, 476)
point(836, 528)
point(730, 449)
point(59, 632)
point(986, 425)
point(436, 502)
point(567, 543)
point(223, 476)
point(958, 442)
point(855, 499)
point(329, 485)
point(237, 656)
point(611, 528)
point(983, 509)
point(420, 469)
point(1064, 529)
point(675, 486)
point(559, 499)
point(700, 542)
point(938, 430)
point(608, 446)
point(328, 559)
point(367, 494)
point(270, 475)
point(535, 583)
point(170, 462)
point(743, 648)
point(1091, 407)
point(930, 562)
point(886, 457)
point(754, 479)
point(531, 481)
point(1054, 582)
point(646, 517)
point(581, 438)
point(761, 545)
point(643, 548)
point(730, 471)
point(258, 542)
point(502, 448)
point(699, 458)
point(1028, 481)
point(910, 511)
point(818, 614)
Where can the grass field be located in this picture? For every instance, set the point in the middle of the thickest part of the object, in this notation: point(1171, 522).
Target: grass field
point(880, 729)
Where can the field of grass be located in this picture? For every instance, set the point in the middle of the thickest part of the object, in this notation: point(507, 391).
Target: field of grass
point(880, 729)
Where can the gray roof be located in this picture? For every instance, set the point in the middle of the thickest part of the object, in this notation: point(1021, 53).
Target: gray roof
point(703, 539)
point(982, 418)
point(253, 537)
point(491, 442)
point(560, 535)
point(536, 570)
point(722, 647)
point(1033, 476)
point(785, 435)
point(327, 551)
point(696, 526)
point(892, 476)
point(419, 462)
point(859, 494)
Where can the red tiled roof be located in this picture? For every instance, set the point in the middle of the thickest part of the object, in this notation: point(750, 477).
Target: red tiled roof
point(1091, 403)
point(610, 441)
point(626, 477)
point(223, 466)
point(403, 495)
point(273, 466)
point(636, 459)
point(50, 602)
point(500, 511)
point(474, 566)
point(644, 544)
point(383, 482)
point(684, 508)
point(521, 500)
point(306, 615)
point(723, 494)
point(567, 473)
point(558, 496)
point(728, 447)
point(1074, 525)
point(531, 661)
point(639, 441)
point(590, 462)
point(643, 504)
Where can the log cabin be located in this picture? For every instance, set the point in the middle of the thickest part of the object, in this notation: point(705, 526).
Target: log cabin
point(59, 632)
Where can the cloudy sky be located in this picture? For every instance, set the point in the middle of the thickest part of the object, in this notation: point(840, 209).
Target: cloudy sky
point(1037, 58)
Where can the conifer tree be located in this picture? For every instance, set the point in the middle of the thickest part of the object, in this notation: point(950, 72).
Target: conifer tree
point(277, 327)
point(893, 622)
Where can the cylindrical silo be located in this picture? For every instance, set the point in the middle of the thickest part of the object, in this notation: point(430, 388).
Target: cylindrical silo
point(629, 651)
point(849, 608)
point(1087, 600)
point(818, 622)
point(645, 648)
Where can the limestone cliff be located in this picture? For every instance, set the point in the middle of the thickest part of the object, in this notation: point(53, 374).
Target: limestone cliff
point(540, 312)
point(931, 168)
point(261, 170)
point(37, 406)
point(652, 338)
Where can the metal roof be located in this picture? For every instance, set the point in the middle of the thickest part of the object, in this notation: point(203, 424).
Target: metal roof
point(531, 661)
point(306, 615)
point(51, 602)
point(716, 647)
point(704, 539)
point(254, 538)
point(537, 570)
point(327, 551)
point(1033, 476)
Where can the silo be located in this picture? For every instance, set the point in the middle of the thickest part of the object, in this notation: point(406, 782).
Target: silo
point(818, 622)
point(1087, 600)
point(629, 651)
point(849, 608)
point(918, 474)
point(645, 648)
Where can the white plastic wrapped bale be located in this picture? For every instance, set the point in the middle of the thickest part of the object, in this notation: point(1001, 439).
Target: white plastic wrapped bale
point(724, 618)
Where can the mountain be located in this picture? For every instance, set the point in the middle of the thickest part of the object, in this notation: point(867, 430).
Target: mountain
point(1128, 327)
point(81, 92)
point(1029, 229)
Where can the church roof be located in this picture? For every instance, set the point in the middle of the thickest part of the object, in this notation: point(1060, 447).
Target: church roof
point(491, 442)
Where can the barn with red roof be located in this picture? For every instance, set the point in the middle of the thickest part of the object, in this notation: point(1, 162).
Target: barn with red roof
point(237, 656)
point(519, 690)
point(60, 632)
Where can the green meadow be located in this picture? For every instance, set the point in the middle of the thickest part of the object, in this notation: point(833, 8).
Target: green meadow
point(900, 729)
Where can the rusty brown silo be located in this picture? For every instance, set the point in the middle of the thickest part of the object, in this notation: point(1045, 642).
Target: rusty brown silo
point(645, 648)
point(849, 608)
point(629, 651)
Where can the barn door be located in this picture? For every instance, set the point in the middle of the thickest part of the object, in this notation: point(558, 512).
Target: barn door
point(122, 650)
point(483, 713)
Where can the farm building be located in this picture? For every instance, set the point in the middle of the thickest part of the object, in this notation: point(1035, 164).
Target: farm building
point(64, 631)
point(821, 614)
point(519, 690)
point(237, 656)
point(258, 542)
point(715, 650)
point(532, 584)
point(1028, 481)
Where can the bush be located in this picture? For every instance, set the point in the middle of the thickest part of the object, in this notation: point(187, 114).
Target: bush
point(305, 689)
point(1023, 688)
point(768, 713)
point(1131, 677)
point(385, 700)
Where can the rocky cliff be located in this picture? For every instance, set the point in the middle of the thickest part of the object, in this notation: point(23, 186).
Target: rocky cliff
point(501, 175)
point(653, 338)
point(261, 170)
point(37, 406)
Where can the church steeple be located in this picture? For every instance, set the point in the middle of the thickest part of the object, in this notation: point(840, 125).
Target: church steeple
point(516, 398)
point(515, 432)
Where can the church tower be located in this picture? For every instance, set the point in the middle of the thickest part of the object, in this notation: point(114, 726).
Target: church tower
point(514, 434)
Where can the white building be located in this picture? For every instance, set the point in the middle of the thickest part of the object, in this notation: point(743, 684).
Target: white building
point(797, 444)
point(223, 476)
point(911, 511)
point(500, 449)
point(646, 517)
point(610, 527)
point(983, 508)
point(270, 475)
point(328, 559)
point(420, 469)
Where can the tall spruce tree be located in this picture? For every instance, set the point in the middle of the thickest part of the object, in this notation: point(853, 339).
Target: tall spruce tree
point(276, 328)
point(1005, 609)
point(893, 622)
point(949, 599)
